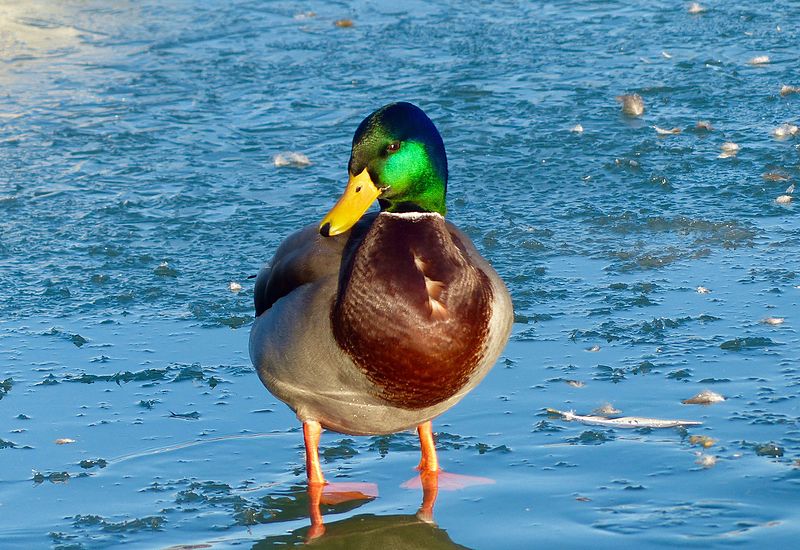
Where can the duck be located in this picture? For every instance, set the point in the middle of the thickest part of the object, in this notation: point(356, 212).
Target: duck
point(371, 323)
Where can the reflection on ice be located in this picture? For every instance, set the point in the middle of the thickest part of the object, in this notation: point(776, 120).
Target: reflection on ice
point(369, 532)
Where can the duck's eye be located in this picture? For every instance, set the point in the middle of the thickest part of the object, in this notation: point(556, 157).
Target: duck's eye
point(392, 147)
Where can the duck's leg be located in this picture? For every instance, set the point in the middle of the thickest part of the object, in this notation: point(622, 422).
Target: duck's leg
point(428, 471)
point(311, 432)
point(431, 478)
point(428, 462)
point(319, 490)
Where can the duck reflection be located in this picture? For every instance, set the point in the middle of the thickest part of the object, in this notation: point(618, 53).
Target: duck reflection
point(369, 531)
point(366, 530)
point(338, 493)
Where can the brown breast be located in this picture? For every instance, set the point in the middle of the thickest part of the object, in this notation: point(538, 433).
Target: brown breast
point(411, 312)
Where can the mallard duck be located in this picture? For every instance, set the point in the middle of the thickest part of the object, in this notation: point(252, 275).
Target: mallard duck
point(377, 323)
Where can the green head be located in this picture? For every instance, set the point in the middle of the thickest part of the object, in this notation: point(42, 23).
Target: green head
point(404, 154)
point(398, 157)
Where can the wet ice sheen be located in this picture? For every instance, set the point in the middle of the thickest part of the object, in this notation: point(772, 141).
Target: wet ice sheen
point(138, 145)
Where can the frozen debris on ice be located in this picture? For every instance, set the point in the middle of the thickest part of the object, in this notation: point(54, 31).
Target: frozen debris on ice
point(704, 125)
point(64, 441)
point(702, 440)
point(702, 290)
point(632, 104)
point(729, 149)
point(786, 90)
point(578, 129)
point(773, 321)
point(695, 8)
point(666, 132)
point(233, 286)
point(297, 160)
point(606, 410)
point(785, 131)
point(706, 461)
point(759, 60)
point(705, 397)
point(784, 199)
point(623, 421)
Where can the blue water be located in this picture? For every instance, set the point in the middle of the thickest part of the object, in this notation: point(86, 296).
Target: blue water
point(137, 181)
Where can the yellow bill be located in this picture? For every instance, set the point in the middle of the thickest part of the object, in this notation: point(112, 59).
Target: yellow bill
point(357, 198)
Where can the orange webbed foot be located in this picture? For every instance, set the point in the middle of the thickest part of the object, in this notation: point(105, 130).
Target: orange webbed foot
point(431, 476)
point(447, 481)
